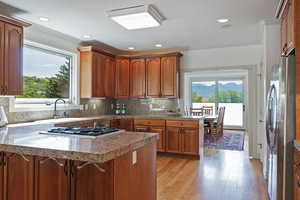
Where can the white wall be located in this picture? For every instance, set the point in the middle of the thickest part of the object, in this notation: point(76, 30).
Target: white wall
point(42, 35)
point(222, 57)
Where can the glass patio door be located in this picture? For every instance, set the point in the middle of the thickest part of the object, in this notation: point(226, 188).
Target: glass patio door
point(217, 93)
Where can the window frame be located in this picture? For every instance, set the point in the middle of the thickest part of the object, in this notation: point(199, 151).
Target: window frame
point(28, 104)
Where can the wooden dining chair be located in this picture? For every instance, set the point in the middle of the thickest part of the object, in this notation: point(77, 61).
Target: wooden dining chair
point(196, 111)
point(216, 128)
point(208, 110)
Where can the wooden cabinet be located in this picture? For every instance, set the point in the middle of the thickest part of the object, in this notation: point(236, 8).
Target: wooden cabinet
point(11, 55)
point(91, 181)
point(153, 126)
point(296, 183)
point(122, 78)
point(169, 77)
point(153, 77)
point(18, 177)
point(182, 137)
point(125, 124)
point(137, 78)
point(288, 27)
point(52, 179)
point(109, 77)
point(92, 68)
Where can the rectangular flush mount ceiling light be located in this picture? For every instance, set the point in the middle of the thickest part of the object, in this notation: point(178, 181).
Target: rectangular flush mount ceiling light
point(137, 17)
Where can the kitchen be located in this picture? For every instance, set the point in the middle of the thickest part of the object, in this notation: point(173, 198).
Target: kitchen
point(96, 106)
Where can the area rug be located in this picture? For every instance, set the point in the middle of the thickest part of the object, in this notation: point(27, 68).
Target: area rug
point(231, 140)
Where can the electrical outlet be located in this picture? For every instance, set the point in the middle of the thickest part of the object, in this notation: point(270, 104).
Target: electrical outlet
point(134, 157)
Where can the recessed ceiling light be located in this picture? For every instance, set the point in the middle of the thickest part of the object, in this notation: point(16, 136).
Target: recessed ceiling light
point(44, 19)
point(224, 20)
point(158, 45)
point(136, 17)
point(131, 48)
point(86, 36)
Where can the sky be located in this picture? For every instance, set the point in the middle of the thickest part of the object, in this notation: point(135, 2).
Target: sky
point(40, 64)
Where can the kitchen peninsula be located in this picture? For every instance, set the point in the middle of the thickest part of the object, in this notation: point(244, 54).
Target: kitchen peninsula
point(46, 167)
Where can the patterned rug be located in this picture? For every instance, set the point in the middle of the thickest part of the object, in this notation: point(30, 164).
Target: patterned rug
point(231, 140)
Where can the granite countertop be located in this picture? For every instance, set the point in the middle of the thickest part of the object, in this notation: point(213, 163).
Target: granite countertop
point(27, 140)
point(297, 145)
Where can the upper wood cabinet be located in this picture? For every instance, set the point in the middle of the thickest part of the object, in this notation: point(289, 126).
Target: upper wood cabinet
point(169, 76)
point(11, 55)
point(109, 77)
point(122, 78)
point(92, 68)
point(137, 78)
point(153, 77)
point(288, 27)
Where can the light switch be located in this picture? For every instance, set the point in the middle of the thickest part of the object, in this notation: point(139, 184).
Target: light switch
point(134, 157)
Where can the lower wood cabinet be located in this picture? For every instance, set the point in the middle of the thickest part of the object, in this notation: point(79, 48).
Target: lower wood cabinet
point(296, 174)
point(17, 176)
point(52, 179)
point(24, 177)
point(153, 126)
point(182, 137)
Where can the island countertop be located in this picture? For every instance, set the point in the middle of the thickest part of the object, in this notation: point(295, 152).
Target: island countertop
point(27, 140)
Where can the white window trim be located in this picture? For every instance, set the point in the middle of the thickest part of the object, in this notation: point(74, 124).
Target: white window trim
point(73, 102)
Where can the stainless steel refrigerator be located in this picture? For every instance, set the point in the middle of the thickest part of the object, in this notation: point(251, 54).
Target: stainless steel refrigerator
point(280, 129)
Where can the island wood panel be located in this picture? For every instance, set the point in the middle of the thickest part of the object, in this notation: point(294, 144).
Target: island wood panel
point(18, 177)
point(142, 174)
point(169, 76)
point(52, 179)
point(13, 64)
point(89, 181)
point(109, 77)
point(137, 78)
point(2, 32)
point(98, 70)
point(153, 77)
point(122, 78)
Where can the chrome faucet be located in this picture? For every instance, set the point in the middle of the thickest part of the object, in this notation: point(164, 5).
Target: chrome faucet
point(55, 115)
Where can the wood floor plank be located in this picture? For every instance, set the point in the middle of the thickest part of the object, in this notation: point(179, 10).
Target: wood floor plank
point(220, 175)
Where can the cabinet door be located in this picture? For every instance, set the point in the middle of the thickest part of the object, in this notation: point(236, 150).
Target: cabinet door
point(109, 77)
point(2, 32)
point(13, 60)
point(161, 142)
point(169, 77)
point(126, 124)
point(18, 177)
point(122, 78)
point(153, 77)
point(137, 78)
point(290, 26)
point(296, 183)
point(173, 143)
point(98, 75)
point(52, 180)
point(92, 181)
point(190, 141)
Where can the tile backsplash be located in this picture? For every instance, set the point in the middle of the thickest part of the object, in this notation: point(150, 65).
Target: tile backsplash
point(94, 107)
point(102, 106)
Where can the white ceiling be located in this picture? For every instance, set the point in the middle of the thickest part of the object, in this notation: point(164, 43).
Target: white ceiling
point(190, 24)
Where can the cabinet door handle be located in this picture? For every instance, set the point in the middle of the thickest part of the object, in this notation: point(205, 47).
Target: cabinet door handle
point(67, 168)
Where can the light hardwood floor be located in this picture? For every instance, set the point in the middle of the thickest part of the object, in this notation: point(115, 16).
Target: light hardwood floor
point(220, 175)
